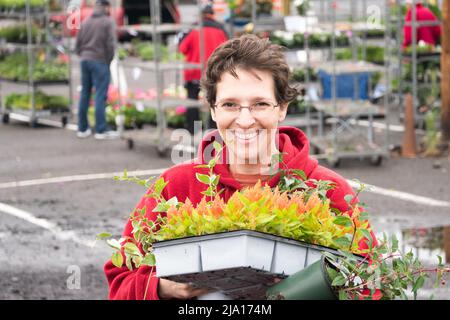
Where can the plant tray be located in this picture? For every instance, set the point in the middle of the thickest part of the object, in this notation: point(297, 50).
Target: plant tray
point(241, 264)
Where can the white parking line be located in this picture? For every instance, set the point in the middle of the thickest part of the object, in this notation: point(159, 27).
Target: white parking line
point(85, 177)
point(409, 197)
point(45, 224)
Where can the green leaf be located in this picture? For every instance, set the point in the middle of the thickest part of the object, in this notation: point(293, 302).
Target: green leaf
point(103, 236)
point(363, 216)
point(332, 273)
point(342, 295)
point(131, 248)
point(418, 284)
point(211, 163)
point(202, 166)
point(113, 243)
point(161, 207)
point(394, 241)
point(217, 146)
point(300, 173)
point(349, 198)
point(149, 260)
point(342, 242)
point(117, 259)
point(128, 262)
point(160, 184)
point(338, 281)
point(343, 221)
point(172, 201)
point(203, 178)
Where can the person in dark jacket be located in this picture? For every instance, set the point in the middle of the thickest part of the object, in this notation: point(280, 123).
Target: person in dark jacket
point(95, 44)
point(214, 35)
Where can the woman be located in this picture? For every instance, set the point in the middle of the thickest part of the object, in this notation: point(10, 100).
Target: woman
point(246, 85)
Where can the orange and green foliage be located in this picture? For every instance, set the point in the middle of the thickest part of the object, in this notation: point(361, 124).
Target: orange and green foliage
point(299, 216)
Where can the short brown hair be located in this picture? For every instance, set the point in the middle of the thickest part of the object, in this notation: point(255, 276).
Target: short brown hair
point(248, 52)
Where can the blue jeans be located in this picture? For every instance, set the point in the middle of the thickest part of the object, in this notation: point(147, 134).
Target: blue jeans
point(93, 74)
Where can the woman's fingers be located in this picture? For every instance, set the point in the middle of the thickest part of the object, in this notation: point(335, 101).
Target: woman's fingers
point(168, 289)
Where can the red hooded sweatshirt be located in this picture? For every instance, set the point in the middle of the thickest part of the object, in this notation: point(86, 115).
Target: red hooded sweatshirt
point(126, 284)
point(429, 34)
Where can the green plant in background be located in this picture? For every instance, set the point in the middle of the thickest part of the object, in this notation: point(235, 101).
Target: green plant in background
point(15, 67)
point(18, 34)
point(299, 75)
point(432, 134)
point(122, 53)
point(374, 54)
point(263, 7)
point(146, 51)
point(21, 4)
point(42, 101)
point(302, 6)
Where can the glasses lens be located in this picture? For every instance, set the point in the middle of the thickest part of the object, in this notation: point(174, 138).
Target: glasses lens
point(261, 107)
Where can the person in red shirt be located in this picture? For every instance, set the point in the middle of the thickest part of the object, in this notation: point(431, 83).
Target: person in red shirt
point(247, 87)
point(214, 35)
point(428, 34)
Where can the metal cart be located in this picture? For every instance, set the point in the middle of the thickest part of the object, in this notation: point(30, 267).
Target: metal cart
point(59, 117)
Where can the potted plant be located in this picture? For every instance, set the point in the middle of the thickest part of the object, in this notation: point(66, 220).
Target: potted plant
point(302, 6)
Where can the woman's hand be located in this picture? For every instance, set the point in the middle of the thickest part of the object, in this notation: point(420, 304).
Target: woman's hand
point(174, 290)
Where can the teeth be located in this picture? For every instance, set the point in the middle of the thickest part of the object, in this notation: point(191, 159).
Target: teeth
point(246, 136)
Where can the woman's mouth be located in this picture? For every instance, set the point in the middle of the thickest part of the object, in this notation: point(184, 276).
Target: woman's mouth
point(246, 137)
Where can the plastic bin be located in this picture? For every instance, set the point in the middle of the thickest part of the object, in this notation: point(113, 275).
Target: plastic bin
point(345, 85)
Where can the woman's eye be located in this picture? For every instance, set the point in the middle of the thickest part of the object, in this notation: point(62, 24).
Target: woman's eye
point(228, 105)
point(262, 104)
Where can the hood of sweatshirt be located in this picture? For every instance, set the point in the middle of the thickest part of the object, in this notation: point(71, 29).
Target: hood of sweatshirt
point(291, 141)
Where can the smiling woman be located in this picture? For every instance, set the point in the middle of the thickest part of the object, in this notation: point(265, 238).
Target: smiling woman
point(246, 86)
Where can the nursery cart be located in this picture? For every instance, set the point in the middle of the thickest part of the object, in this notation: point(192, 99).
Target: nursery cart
point(423, 85)
point(160, 138)
point(58, 117)
point(346, 86)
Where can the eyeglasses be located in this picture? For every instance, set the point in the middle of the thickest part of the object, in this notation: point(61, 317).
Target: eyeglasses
point(256, 109)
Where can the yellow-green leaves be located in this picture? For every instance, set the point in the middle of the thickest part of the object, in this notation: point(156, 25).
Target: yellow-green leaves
point(117, 259)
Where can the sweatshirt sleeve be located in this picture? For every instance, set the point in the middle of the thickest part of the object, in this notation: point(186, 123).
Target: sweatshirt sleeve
point(78, 42)
point(110, 41)
point(140, 283)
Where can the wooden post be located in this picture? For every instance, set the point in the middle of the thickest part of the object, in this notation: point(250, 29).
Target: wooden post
point(445, 71)
point(286, 7)
point(447, 243)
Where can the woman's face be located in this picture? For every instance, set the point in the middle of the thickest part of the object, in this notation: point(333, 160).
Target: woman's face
point(250, 136)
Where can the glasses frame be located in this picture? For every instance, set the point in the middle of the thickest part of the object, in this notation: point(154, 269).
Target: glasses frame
point(250, 108)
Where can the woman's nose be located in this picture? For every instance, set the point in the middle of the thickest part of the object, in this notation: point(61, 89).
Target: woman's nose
point(245, 118)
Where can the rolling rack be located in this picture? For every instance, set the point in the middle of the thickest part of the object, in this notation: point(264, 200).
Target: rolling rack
point(414, 84)
point(346, 138)
point(34, 116)
point(161, 135)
